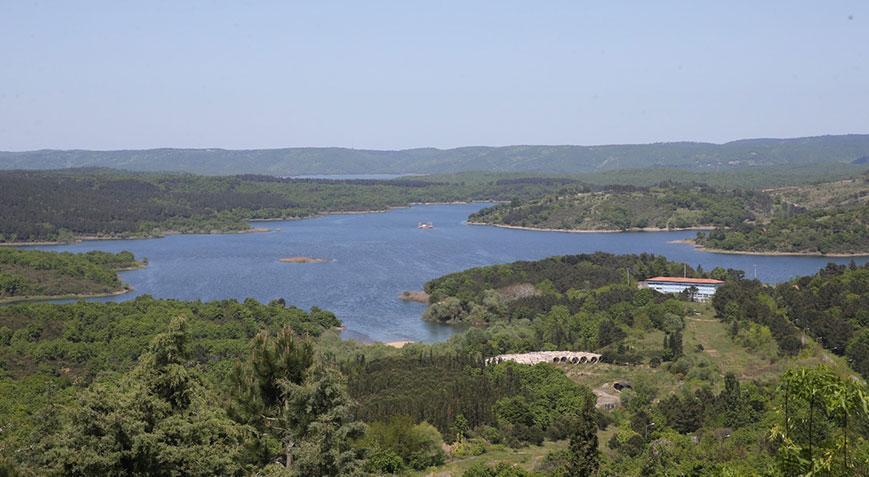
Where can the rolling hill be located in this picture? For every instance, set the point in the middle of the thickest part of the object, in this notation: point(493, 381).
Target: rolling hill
point(843, 149)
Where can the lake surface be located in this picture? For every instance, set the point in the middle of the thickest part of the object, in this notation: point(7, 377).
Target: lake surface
point(374, 257)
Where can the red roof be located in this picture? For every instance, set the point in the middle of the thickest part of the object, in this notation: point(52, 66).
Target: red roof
point(704, 281)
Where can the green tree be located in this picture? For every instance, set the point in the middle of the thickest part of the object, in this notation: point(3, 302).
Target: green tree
point(583, 458)
point(259, 385)
point(324, 419)
point(822, 415)
point(300, 409)
point(417, 445)
point(159, 419)
point(858, 351)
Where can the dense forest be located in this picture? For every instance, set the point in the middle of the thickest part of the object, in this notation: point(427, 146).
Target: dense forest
point(40, 206)
point(33, 273)
point(522, 290)
point(165, 387)
point(822, 218)
point(733, 155)
point(824, 232)
point(666, 206)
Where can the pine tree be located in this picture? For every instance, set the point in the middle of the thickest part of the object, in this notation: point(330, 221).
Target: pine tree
point(260, 385)
point(301, 409)
point(158, 419)
point(583, 459)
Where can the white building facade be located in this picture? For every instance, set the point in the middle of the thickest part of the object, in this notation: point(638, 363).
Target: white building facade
point(704, 288)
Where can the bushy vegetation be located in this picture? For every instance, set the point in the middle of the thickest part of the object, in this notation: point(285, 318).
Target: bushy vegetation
point(29, 273)
point(665, 206)
point(826, 231)
point(831, 306)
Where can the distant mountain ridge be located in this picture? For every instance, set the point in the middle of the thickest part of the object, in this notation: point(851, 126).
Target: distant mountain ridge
point(851, 148)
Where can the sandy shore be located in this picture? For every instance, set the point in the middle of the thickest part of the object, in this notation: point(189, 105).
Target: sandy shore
point(591, 231)
point(166, 233)
point(784, 254)
point(71, 296)
point(398, 344)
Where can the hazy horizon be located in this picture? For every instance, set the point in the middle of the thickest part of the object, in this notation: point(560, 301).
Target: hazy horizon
point(100, 75)
point(441, 148)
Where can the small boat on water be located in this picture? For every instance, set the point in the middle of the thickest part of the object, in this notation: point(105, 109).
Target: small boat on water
point(425, 225)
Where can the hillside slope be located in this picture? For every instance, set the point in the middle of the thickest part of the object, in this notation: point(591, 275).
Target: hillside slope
point(622, 208)
point(561, 159)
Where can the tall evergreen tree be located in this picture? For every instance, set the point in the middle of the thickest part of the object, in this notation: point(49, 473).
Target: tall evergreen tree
point(301, 410)
point(583, 458)
point(274, 364)
point(158, 419)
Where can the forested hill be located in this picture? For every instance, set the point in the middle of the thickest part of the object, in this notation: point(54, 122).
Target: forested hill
point(667, 206)
point(33, 273)
point(562, 159)
point(523, 290)
point(44, 205)
point(827, 218)
point(819, 219)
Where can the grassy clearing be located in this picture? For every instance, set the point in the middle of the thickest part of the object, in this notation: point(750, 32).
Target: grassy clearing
point(526, 458)
point(720, 354)
point(716, 355)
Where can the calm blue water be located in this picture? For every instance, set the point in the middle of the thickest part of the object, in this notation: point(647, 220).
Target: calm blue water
point(376, 257)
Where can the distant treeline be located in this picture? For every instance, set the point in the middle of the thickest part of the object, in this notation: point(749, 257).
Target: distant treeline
point(40, 206)
point(740, 154)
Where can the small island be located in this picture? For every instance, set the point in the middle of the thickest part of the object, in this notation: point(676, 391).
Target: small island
point(34, 275)
point(416, 296)
point(303, 260)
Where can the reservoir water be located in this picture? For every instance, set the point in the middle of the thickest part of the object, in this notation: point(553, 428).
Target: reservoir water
point(373, 257)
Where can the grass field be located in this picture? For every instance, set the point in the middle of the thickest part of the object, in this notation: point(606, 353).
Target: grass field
point(719, 355)
point(526, 458)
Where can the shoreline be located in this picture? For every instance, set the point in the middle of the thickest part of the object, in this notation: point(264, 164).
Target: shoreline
point(592, 231)
point(87, 238)
point(69, 296)
point(772, 254)
point(396, 344)
point(168, 233)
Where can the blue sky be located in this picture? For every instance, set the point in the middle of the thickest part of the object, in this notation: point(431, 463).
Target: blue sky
point(379, 74)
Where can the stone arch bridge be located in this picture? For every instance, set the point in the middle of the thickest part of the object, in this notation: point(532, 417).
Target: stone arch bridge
point(568, 357)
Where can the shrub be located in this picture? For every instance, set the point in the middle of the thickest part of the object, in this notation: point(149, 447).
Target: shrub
point(416, 445)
